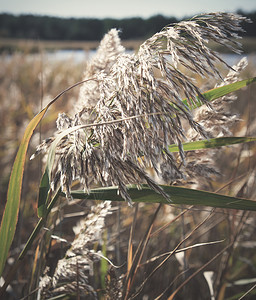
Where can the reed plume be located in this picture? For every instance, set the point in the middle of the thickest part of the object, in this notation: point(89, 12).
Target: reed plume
point(217, 121)
point(132, 110)
point(74, 271)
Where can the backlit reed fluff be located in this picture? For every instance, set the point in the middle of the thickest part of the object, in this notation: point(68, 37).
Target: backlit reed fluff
point(73, 272)
point(138, 109)
point(217, 122)
point(109, 49)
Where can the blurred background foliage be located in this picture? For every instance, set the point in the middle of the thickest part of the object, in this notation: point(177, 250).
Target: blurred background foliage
point(88, 29)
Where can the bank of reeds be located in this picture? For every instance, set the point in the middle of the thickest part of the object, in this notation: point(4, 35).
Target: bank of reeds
point(11, 46)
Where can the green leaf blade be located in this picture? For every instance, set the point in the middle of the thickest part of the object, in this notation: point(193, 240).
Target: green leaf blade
point(178, 196)
point(43, 195)
point(222, 91)
point(212, 143)
point(10, 216)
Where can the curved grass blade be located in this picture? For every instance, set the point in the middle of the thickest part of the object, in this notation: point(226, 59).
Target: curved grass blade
point(178, 195)
point(43, 194)
point(10, 216)
point(222, 91)
point(212, 143)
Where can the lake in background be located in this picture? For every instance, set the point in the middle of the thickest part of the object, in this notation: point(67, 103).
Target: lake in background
point(81, 56)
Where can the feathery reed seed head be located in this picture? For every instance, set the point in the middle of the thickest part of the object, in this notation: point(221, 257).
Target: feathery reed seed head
point(135, 108)
point(73, 272)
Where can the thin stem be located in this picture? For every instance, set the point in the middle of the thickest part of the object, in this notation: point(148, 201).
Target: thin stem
point(198, 271)
point(139, 253)
point(140, 288)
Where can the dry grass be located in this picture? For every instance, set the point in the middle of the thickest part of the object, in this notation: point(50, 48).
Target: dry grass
point(27, 84)
point(12, 45)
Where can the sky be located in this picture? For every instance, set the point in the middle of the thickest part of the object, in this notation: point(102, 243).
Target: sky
point(122, 9)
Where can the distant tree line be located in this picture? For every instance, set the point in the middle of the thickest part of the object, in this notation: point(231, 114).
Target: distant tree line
point(89, 29)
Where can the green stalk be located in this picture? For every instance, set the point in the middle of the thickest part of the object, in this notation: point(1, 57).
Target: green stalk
point(29, 243)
